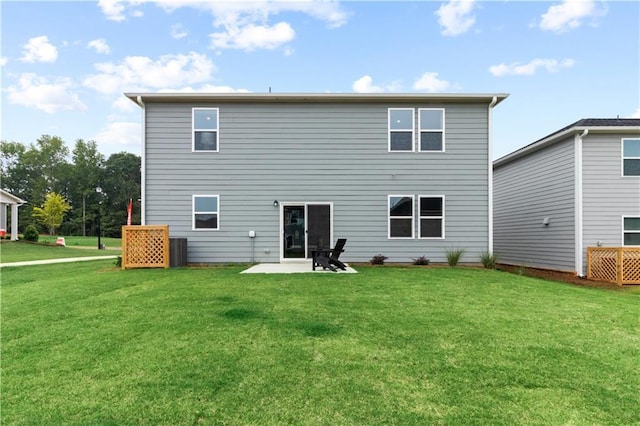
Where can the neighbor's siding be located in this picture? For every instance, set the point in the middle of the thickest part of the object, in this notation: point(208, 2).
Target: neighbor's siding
point(315, 153)
point(526, 191)
point(607, 196)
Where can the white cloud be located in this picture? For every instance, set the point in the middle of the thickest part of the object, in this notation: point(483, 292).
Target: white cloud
point(251, 36)
point(365, 85)
point(455, 17)
point(100, 45)
point(516, 68)
point(636, 114)
point(37, 92)
point(430, 82)
point(569, 15)
point(143, 73)
point(3, 61)
point(208, 88)
point(240, 24)
point(178, 31)
point(38, 49)
point(119, 136)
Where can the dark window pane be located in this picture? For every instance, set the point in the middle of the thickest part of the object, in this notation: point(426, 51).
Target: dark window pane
point(401, 141)
point(430, 228)
point(631, 148)
point(631, 168)
point(401, 119)
point(632, 223)
point(431, 206)
point(401, 206)
point(206, 141)
point(632, 239)
point(206, 221)
point(400, 228)
point(430, 141)
point(205, 119)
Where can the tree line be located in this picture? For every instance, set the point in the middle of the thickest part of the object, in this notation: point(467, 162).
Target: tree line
point(33, 171)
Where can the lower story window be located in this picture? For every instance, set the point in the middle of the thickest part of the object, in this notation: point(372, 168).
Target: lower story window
point(431, 216)
point(631, 231)
point(400, 216)
point(206, 211)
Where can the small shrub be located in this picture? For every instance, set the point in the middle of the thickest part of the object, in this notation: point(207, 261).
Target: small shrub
point(118, 261)
point(489, 260)
point(31, 234)
point(420, 260)
point(378, 259)
point(454, 256)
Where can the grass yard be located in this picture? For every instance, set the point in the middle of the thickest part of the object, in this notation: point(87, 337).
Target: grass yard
point(90, 344)
point(76, 240)
point(19, 251)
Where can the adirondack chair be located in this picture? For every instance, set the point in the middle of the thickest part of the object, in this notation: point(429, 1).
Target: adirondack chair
point(329, 258)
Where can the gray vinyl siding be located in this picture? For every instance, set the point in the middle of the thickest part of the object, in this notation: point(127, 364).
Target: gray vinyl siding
point(607, 196)
point(310, 152)
point(526, 191)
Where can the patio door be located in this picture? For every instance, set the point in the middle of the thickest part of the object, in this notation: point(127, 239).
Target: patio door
point(305, 226)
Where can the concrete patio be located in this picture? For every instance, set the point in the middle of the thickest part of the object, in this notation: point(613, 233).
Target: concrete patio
point(292, 268)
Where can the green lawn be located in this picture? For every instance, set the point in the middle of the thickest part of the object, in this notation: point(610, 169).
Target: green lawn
point(19, 251)
point(71, 241)
point(91, 344)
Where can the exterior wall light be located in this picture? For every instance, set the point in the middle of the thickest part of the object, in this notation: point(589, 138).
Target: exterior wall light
point(275, 203)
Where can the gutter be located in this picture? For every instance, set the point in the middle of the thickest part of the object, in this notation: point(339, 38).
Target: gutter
point(143, 164)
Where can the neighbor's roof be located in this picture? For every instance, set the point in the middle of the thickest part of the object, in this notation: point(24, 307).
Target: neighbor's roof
point(317, 97)
point(594, 125)
point(9, 198)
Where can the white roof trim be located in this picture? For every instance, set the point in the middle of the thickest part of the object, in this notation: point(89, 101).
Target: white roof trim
point(8, 198)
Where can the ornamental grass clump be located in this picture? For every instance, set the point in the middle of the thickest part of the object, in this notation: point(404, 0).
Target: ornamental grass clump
point(489, 260)
point(454, 256)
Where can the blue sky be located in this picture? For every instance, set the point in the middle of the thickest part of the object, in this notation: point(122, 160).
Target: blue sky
point(65, 65)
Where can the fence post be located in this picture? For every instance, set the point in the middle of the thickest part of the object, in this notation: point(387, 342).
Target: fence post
point(619, 267)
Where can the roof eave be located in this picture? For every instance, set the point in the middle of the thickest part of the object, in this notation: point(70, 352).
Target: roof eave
point(316, 97)
point(536, 146)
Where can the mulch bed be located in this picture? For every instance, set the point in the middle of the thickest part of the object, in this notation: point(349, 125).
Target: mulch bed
point(566, 277)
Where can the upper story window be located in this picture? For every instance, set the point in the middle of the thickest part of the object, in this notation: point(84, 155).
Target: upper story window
point(401, 216)
point(630, 157)
point(206, 212)
point(205, 129)
point(431, 125)
point(631, 231)
point(431, 221)
point(401, 125)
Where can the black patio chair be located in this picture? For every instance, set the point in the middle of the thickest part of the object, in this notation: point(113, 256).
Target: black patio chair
point(329, 258)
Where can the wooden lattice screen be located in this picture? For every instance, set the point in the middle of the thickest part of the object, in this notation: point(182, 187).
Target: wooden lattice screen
point(145, 246)
point(620, 265)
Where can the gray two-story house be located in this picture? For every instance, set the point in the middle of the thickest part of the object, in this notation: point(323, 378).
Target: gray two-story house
point(269, 177)
point(576, 188)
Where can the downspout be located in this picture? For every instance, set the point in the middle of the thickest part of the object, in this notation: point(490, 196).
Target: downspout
point(579, 256)
point(143, 165)
point(493, 103)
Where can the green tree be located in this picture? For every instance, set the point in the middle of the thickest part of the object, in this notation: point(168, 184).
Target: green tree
point(121, 181)
point(52, 211)
point(88, 165)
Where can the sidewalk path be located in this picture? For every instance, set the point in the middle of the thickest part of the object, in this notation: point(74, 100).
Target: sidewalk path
point(62, 260)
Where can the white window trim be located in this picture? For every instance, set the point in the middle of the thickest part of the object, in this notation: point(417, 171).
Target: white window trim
point(412, 217)
point(622, 158)
point(193, 129)
point(193, 212)
point(628, 232)
point(412, 129)
point(420, 129)
point(431, 217)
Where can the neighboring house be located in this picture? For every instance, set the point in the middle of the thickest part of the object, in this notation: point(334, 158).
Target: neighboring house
point(576, 188)
point(268, 177)
point(7, 199)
